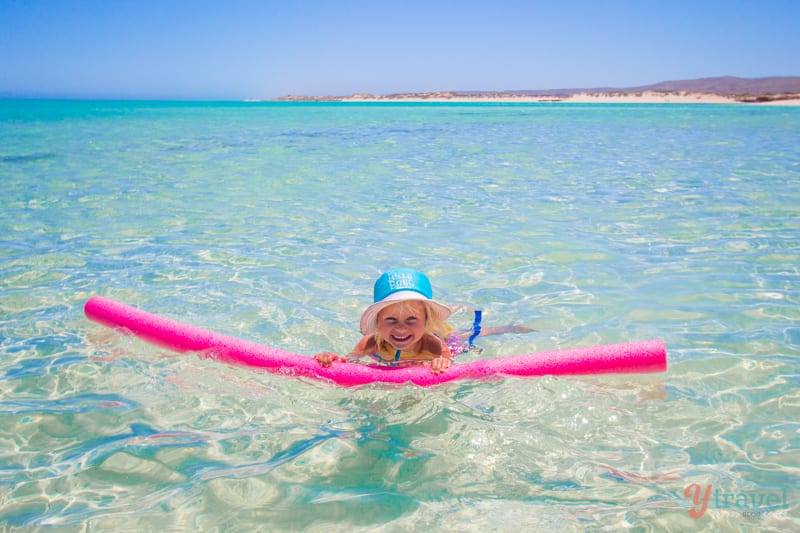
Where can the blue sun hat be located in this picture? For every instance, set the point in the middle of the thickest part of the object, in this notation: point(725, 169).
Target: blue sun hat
point(397, 285)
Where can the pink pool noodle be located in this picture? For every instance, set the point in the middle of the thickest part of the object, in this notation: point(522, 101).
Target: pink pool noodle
point(626, 358)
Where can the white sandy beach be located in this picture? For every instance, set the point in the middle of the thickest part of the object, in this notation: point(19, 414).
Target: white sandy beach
point(646, 97)
point(653, 97)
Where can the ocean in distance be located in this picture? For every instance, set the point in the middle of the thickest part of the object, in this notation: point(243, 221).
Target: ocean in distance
point(593, 224)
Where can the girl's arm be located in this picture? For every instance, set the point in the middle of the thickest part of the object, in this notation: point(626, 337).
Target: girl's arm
point(444, 359)
point(362, 348)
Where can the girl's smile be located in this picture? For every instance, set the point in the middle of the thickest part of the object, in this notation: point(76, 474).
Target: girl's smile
point(403, 326)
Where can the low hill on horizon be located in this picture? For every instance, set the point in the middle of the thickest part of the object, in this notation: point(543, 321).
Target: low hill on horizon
point(726, 85)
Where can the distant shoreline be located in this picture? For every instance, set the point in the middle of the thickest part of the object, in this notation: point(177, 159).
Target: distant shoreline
point(610, 97)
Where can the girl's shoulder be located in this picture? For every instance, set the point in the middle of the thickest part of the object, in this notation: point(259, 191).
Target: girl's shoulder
point(435, 345)
point(366, 345)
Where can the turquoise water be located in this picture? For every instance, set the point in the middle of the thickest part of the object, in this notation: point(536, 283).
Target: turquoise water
point(591, 223)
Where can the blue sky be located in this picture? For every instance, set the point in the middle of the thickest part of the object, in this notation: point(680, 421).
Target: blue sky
point(234, 49)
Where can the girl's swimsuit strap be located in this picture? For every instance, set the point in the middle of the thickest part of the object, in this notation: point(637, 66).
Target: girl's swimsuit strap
point(377, 357)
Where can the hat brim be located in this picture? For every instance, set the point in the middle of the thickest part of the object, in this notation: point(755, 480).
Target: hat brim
point(369, 318)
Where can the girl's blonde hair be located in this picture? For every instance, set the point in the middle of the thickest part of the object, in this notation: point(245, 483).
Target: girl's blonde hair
point(433, 324)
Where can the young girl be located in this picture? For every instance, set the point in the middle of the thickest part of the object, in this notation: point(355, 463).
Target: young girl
point(406, 326)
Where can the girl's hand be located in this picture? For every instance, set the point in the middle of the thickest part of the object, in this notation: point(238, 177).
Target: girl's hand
point(440, 364)
point(326, 358)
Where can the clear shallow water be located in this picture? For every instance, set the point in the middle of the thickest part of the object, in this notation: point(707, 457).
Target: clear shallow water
point(593, 224)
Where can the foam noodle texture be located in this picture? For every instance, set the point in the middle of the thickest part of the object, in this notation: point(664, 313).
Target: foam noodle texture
point(631, 357)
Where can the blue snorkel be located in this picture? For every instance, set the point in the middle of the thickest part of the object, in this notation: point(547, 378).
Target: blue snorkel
point(476, 328)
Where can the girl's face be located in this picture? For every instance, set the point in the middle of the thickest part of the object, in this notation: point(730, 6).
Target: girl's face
point(402, 324)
